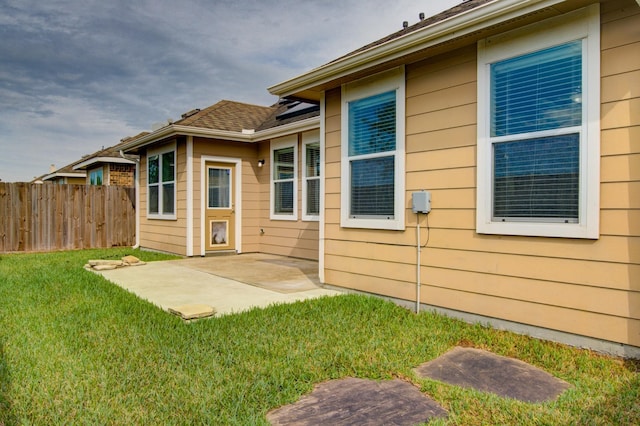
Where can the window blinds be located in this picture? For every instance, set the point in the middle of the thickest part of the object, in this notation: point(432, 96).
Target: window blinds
point(538, 91)
point(372, 124)
point(537, 178)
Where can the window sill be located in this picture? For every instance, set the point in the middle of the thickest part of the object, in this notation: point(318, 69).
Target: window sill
point(553, 230)
point(383, 224)
point(162, 217)
point(290, 218)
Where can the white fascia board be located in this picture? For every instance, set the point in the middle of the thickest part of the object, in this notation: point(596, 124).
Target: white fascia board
point(95, 160)
point(64, 174)
point(177, 130)
point(448, 29)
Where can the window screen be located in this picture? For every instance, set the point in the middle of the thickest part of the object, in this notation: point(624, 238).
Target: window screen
point(538, 91)
point(537, 178)
point(372, 124)
point(312, 178)
point(283, 176)
point(372, 130)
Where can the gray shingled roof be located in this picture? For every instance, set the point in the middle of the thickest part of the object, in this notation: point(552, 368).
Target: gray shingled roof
point(228, 115)
point(449, 13)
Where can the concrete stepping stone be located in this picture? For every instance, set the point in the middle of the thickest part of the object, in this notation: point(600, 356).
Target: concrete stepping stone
point(488, 372)
point(353, 401)
point(191, 312)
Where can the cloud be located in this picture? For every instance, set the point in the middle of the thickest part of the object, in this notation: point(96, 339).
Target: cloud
point(79, 74)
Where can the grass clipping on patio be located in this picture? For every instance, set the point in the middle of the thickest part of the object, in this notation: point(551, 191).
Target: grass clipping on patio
point(77, 349)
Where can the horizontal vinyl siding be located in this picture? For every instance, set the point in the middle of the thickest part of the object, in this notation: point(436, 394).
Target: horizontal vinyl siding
point(297, 238)
point(586, 287)
point(248, 154)
point(159, 234)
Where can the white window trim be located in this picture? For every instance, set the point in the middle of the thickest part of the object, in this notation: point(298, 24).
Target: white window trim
point(308, 138)
point(367, 87)
point(159, 151)
point(276, 144)
point(581, 24)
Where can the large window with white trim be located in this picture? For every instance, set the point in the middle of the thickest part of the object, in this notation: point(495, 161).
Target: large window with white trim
point(372, 178)
point(284, 171)
point(537, 145)
point(311, 176)
point(161, 183)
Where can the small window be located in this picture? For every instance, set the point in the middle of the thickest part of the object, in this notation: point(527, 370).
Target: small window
point(311, 188)
point(373, 152)
point(161, 180)
point(95, 177)
point(537, 144)
point(283, 178)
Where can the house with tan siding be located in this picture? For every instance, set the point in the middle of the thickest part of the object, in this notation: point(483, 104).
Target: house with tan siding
point(519, 120)
point(231, 178)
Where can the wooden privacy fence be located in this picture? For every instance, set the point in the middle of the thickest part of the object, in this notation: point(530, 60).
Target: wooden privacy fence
point(45, 217)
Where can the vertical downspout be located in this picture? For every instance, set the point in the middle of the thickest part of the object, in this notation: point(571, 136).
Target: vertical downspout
point(136, 184)
point(189, 196)
point(203, 171)
point(322, 180)
point(138, 213)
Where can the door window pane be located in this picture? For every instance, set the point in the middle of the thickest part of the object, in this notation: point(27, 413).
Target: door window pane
point(219, 188)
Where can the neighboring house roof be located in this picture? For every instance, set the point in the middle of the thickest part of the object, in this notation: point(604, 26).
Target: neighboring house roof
point(464, 23)
point(110, 155)
point(66, 171)
point(236, 121)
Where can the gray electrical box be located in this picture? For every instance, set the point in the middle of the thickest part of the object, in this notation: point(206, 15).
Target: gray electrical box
point(421, 202)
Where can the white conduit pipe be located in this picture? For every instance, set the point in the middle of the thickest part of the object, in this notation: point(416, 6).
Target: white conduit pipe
point(418, 254)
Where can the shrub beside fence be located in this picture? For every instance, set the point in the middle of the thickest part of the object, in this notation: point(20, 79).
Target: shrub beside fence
point(46, 217)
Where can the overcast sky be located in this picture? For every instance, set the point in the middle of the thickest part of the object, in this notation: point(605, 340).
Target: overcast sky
point(77, 75)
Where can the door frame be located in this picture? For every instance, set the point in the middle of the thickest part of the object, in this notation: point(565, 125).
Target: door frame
point(237, 195)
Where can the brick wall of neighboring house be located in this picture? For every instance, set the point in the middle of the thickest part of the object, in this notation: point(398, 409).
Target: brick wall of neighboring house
point(121, 174)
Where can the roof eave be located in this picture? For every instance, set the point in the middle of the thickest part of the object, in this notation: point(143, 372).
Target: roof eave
point(456, 26)
point(95, 160)
point(178, 130)
point(64, 174)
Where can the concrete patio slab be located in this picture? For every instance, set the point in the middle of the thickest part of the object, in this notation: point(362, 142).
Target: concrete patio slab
point(175, 283)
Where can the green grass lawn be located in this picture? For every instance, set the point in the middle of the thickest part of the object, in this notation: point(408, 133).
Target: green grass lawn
point(76, 349)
